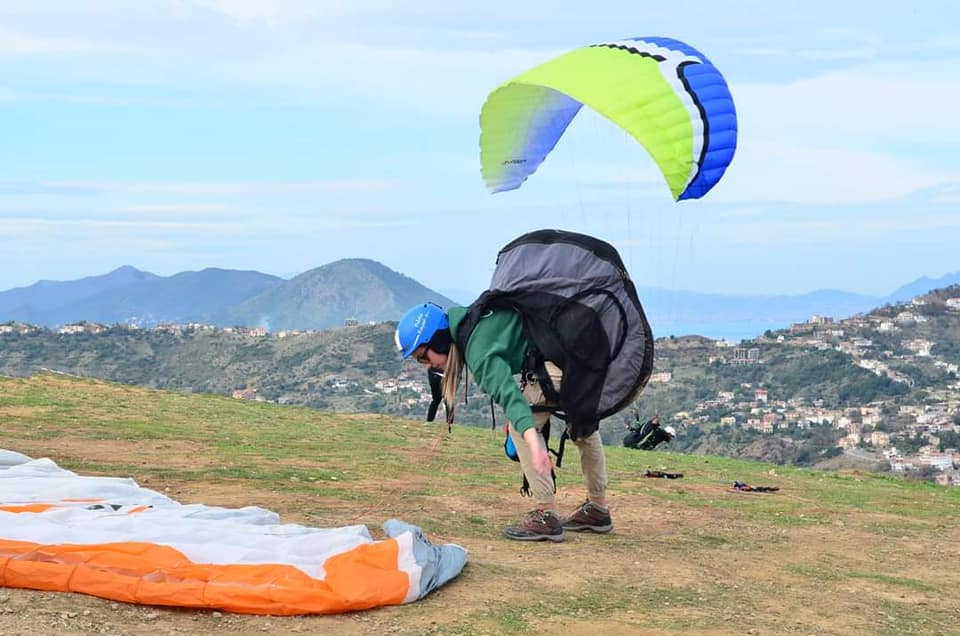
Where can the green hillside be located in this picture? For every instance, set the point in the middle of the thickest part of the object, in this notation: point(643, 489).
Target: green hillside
point(829, 553)
point(336, 369)
point(892, 372)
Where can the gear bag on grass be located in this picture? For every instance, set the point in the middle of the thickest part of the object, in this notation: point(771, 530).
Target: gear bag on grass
point(580, 310)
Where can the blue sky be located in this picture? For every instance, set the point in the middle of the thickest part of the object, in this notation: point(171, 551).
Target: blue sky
point(278, 136)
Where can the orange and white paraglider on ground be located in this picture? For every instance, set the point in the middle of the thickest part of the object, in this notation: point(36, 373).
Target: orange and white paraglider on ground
point(111, 538)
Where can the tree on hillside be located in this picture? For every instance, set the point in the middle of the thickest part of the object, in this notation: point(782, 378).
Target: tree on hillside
point(949, 439)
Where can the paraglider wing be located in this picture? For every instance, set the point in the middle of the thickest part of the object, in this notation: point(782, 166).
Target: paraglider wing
point(664, 93)
point(111, 538)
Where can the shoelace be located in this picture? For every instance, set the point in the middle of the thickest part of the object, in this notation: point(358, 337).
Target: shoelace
point(582, 509)
point(538, 515)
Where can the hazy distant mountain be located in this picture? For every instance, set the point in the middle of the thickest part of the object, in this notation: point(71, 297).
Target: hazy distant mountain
point(922, 286)
point(679, 312)
point(717, 316)
point(185, 297)
point(31, 304)
point(356, 288)
point(366, 290)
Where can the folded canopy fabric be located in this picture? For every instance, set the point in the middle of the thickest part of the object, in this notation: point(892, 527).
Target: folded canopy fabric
point(111, 538)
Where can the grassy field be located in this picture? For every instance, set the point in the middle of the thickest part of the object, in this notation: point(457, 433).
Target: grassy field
point(829, 553)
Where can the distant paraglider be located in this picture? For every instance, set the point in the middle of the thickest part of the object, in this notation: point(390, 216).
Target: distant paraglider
point(664, 93)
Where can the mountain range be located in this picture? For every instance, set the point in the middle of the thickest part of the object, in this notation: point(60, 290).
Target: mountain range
point(678, 313)
point(324, 297)
point(366, 290)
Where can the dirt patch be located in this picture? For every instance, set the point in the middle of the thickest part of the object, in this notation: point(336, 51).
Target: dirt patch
point(23, 412)
point(167, 454)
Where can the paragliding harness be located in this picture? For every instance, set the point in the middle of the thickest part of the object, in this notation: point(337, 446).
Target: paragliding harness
point(581, 312)
point(660, 474)
point(739, 486)
point(551, 394)
point(510, 450)
point(646, 437)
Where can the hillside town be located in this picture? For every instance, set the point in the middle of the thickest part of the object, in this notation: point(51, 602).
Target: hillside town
point(911, 438)
point(877, 430)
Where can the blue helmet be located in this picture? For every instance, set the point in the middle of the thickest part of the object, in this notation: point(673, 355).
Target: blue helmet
point(418, 327)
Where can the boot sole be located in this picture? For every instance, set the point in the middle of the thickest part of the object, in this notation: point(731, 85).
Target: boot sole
point(597, 529)
point(556, 538)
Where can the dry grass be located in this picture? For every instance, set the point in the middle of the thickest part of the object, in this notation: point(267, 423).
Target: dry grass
point(831, 553)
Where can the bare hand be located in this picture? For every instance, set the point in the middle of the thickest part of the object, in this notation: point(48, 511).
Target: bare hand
point(538, 451)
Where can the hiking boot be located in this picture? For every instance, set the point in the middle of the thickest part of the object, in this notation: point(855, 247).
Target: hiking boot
point(590, 517)
point(537, 525)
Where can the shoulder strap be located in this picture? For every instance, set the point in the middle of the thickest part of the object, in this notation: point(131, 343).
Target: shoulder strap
point(474, 313)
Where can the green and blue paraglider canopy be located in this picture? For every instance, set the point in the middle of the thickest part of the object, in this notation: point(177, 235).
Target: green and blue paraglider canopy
point(664, 93)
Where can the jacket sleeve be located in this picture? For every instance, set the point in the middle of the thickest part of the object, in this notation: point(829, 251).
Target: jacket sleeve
point(495, 379)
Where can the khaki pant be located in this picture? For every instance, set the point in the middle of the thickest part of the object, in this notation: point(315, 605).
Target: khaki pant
point(593, 463)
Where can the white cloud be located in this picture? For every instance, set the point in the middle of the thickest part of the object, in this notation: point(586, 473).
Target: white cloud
point(837, 233)
point(276, 12)
point(177, 208)
point(837, 54)
point(845, 135)
point(253, 187)
point(11, 95)
point(429, 79)
point(12, 43)
point(943, 43)
point(873, 103)
point(364, 54)
point(46, 228)
point(226, 188)
point(215, 233)
point(811, 175)
point(874, 132)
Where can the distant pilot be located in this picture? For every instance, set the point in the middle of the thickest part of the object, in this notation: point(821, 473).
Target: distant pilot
point(648, 436)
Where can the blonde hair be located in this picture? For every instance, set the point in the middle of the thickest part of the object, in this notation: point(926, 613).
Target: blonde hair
point(451, 374)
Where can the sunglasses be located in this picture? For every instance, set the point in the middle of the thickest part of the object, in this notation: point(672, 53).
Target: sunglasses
point(422, 358)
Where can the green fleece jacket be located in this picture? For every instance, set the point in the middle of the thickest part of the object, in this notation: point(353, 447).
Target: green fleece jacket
point(494, 354)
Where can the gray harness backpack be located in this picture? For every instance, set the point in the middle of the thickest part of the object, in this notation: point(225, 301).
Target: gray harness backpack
point(580, 310)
